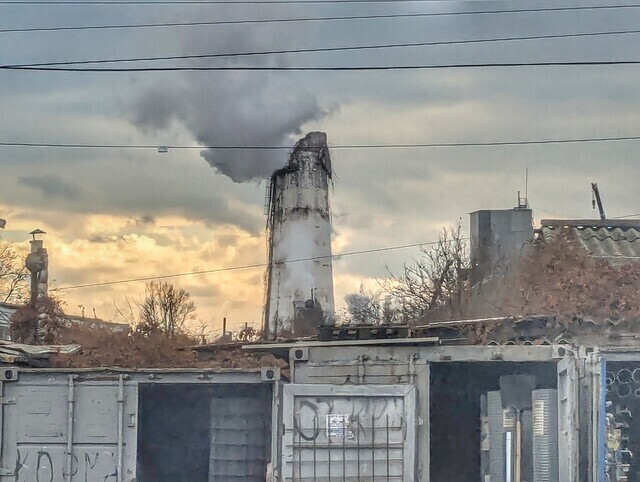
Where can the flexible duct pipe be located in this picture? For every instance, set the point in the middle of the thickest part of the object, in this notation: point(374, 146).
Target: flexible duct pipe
point(623, 390)
point(624, 376)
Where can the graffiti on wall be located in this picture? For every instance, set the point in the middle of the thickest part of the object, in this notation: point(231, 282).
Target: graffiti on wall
point(50, 464)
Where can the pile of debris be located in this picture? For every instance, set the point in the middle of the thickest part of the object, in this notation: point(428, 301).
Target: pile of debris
point(103, 348)
point(33, 355)
point(42, 338)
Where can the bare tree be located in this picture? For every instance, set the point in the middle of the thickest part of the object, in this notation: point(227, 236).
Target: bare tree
point(435, 282)
point(127, 313)
point(201, 331)
point(14, 285)
point(164, 308)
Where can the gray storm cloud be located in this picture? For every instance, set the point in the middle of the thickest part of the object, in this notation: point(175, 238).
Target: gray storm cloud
point(50, 186)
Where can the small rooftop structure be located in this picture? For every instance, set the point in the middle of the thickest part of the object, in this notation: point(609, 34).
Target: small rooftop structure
point(617, 241)
point(498, 236)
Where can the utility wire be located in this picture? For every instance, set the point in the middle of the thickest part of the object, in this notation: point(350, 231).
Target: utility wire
point(315, 19)
point(366, 68)
point(220, 2)
point(332, 147)
point(247, 266)
point(323, 49)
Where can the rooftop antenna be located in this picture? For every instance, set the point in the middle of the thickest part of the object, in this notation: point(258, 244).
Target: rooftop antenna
point(596, 199)
point(523, 202)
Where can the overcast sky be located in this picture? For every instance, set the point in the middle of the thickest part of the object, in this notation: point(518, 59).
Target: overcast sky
point(115, 214)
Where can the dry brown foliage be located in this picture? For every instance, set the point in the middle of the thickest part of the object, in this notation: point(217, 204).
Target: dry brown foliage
point(560, 278)
point(104, 348)
point(39, 325)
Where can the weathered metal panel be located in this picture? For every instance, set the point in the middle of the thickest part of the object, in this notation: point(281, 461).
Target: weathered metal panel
point(496, 437)
point(82, 425)
point(240, 437)
point(400, 351)
point(65, 432)
point(346, 433)
point(568, 436)
point(545, 435)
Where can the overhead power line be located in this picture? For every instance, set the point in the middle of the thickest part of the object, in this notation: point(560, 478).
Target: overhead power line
point(363, 68)
point(247, 266)
point(333, 147)
point(217, 2)
point(628, 216)
point(226, 2)
point(315, 19)
point(324, 49)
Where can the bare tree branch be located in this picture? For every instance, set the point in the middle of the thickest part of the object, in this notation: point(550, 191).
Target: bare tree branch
point(13, 275)
point(164, 308)
point(433, 283)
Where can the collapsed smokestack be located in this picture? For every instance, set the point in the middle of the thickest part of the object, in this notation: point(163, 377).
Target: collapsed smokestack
point(299, 280)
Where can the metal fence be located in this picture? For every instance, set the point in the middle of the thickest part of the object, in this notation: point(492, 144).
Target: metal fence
point(362, 449)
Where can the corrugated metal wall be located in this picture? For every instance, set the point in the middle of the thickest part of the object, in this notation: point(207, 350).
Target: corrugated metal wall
point(545, 435)
point(99, 426)
point(240, 434)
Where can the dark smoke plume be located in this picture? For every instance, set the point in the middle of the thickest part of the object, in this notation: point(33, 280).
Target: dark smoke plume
point(233, 108)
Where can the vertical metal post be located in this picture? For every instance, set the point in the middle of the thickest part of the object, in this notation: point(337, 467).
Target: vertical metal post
point(1, 425)
point(358, 447)
point(70, 415)
point(344, 451)
point(508, 447)
point(120, 425)
point(373, 447)
point(329, 453)
point(275, 431)
point(388, 455)
point(315, 438)
point(299, 453)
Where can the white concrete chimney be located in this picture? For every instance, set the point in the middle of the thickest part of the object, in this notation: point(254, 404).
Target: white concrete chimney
point(299, 294)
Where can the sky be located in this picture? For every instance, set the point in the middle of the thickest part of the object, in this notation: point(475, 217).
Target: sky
point(115, 214)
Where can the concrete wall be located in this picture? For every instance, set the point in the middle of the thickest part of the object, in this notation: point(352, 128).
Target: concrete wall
point(497, 236)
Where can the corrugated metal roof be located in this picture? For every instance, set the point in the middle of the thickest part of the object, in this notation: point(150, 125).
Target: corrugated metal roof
point(616, 241)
